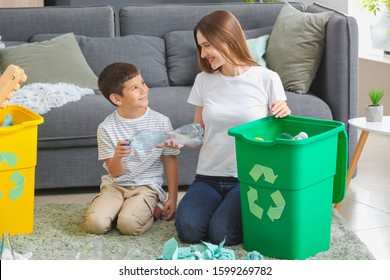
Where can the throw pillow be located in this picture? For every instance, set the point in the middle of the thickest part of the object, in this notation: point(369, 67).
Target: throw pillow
point(182, 59)
point(257, 47)
point(57, 60)
point(295, 47)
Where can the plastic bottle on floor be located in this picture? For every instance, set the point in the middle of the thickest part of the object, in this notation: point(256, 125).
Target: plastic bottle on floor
point(6, 250)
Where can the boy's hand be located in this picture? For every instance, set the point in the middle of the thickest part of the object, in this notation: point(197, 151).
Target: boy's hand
point(122, 149)
point(280, 109)
point(169, 209)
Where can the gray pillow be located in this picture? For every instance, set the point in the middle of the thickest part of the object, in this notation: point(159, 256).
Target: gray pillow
point(146, 52)
point(182, 60)
point(295, 47)
point(52, 61)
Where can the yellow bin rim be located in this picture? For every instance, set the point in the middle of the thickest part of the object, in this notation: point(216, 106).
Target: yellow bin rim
point(32, 120)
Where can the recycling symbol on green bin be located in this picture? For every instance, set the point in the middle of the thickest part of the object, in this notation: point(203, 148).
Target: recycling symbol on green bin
point(273, 212)
point(17, 178)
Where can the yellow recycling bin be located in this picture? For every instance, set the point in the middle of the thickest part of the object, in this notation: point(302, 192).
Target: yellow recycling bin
point(18, 157)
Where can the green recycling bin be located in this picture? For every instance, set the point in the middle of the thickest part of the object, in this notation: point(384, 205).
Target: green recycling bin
point(287, 186)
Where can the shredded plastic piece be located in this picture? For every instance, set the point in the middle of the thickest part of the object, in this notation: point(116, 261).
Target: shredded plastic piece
point(254, 255)
point(7, 121)
point(205, 251)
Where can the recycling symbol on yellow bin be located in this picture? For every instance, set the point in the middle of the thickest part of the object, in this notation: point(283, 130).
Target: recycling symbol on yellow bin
point(274, 212)
point(17, 178)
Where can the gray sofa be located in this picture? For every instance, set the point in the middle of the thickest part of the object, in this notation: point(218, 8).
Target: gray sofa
point(158, 38)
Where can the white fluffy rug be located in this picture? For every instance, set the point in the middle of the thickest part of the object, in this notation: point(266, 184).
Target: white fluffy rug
point(41, 97)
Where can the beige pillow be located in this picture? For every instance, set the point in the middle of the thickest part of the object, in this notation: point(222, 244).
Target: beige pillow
point(57, 60)
point(295, 47)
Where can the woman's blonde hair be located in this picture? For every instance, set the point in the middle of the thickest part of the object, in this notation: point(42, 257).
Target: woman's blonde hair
point(221, 28)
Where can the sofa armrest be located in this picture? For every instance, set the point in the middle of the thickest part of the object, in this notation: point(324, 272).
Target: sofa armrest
point(336, 81)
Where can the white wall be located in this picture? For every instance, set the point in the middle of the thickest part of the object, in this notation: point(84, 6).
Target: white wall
point(352, 8)
point(374, 69)
point(339, 5)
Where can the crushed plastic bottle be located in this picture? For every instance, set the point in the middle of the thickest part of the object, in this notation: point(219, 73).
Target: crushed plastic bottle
point(300, 136)
point(132, 252)
point(187, 135)
point(93, 250)
point(6, 250)
point(285, 136)
point(146, 139)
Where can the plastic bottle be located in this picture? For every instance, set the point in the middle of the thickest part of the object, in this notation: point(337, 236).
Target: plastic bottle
point(285, 136)
point(6, 250)
point(93, 250)
point(133, 253)
point(146, 139)
point(188, 135)
point(300, 136)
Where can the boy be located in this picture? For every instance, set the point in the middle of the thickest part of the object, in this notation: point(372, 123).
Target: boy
point(132, 188)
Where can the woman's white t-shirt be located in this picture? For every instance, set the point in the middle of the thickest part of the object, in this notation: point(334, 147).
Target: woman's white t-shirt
point(229, 101)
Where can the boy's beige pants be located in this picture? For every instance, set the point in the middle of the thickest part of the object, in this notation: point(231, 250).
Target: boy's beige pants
point(132, 207)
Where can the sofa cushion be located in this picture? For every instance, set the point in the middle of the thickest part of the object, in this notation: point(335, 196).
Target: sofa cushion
point(258, 32)
point(13, 43)
point(308, 105)
point(182, 61)
point(57, 60)
point(146, 52)
point(74, 124)
point(295, 47)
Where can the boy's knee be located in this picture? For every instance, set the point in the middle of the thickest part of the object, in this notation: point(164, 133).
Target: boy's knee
point(133, 226)
point(97, 226)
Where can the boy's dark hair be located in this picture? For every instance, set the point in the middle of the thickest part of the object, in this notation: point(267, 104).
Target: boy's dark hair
point(113, 76)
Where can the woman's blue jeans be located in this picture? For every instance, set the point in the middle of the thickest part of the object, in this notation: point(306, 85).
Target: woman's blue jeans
point(210, 211)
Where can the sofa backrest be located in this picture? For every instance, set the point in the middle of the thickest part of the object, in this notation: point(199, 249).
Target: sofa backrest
point(20, 24)
point(154, 21)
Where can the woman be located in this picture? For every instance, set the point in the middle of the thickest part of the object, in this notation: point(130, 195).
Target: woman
point(232, 89)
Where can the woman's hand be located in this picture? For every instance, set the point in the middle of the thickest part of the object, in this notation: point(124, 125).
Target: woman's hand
point(280, 109)
point(169, 144)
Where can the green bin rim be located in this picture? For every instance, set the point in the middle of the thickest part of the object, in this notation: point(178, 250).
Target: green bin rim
point(236, 131)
